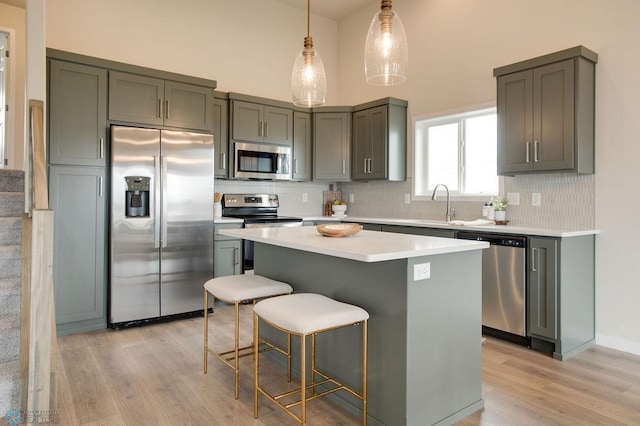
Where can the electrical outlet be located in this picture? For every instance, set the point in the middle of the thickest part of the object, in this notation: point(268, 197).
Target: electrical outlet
point(513, 198)
point(407, 198)
point(305, 198)
point(535, 199)
point(351, 197)
point(422, 271)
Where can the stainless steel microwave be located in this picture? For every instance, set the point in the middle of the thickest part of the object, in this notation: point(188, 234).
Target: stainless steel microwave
point(261, 161)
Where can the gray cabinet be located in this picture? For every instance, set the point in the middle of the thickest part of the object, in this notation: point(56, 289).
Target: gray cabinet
point(221, 134)
point(255, 122)
point(543, 280)
point(77, 114)
point(227, 256)
point(416, 230)
point(561, 294)
point(302, 146)
point(77, 144)
point(379, 142)
point(546, 112)
point(142, 99)
point(332, 144)
point(77, 195)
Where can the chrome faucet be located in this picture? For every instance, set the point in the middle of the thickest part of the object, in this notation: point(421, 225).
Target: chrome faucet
point(450, 214)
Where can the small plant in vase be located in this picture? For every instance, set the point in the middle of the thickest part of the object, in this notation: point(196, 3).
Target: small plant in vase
point(339, 207)
point(500, 208)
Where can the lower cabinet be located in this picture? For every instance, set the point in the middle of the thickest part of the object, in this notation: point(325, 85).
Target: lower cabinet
point(78, 198)
point(561, 294)
point(543, 280)
point(415, 230)
point(227, 256)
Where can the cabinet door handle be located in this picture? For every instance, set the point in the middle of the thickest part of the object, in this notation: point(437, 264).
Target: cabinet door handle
point(166, 110)
point(101, 148)
point(266, 129)
point(536, 148)
point(236, 258)
point(364, 165)
point(260, 128)
point(344, 167)
point(224, 161)
point(100, 187)
point(160, 108)
point(534, 255)
point(528, 150)
point(295, 165)
point(370, 165)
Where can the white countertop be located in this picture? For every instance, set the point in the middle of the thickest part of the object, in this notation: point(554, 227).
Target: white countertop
point(227, 220)
point(366, 246)
point(498, 229)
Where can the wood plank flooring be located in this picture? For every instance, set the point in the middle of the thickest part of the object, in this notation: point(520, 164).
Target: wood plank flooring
point(153, 376)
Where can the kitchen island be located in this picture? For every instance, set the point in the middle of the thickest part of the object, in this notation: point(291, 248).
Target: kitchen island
point(423, 295)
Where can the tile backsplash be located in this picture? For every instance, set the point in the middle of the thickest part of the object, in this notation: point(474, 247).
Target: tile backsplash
point(567, 201)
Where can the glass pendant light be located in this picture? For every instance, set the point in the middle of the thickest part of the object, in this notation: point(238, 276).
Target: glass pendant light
point(386, 54)
point(308, 81)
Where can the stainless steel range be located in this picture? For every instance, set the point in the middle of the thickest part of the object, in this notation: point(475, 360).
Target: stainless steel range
point(258, 211)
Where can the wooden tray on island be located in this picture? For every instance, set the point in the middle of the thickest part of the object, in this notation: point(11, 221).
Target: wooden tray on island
point(339, 229)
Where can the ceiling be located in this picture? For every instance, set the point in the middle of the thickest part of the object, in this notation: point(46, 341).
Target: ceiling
point(333, 9)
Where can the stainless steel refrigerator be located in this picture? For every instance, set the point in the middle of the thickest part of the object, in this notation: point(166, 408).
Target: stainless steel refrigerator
point(161, 236)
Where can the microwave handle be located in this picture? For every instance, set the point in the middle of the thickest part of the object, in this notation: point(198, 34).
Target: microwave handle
point(279, 164)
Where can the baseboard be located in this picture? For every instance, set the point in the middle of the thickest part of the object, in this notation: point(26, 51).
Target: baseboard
point(618, 344)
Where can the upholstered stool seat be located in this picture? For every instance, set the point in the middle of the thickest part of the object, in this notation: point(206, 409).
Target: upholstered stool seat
point(306, 314)
point(238, 289)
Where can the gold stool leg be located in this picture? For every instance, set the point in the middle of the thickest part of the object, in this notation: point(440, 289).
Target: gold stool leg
point(289, 357)
point(303, 380)
point(313, 363)
point(255, 365)
point(364, 372)
point(206, 328)
point(237, 343)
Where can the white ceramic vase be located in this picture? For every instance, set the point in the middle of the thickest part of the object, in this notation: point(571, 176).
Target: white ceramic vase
point(339, 209)
point(501, 215)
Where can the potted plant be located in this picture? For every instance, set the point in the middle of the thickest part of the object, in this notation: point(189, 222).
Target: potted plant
point(500, 207)
point(339, 207)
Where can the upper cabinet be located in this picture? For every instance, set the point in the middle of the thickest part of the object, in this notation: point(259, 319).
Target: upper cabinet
point(332, 143)
point(302, 146)
point(546, 113)
point(379, 142)
point(148, 100)
point(77, 114)
point(261, 120)
point(221, 134)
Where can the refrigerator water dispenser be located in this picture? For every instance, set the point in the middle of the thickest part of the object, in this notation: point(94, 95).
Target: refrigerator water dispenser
point(137, 196)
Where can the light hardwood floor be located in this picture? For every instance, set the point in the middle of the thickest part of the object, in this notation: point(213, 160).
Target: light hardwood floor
point(153, 376)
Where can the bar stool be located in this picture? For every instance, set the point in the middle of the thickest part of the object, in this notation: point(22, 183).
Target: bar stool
point(304, 314)
point(238, 289)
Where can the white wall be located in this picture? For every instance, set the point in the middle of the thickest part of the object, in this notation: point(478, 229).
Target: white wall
point(454, 46)
point(248, 46)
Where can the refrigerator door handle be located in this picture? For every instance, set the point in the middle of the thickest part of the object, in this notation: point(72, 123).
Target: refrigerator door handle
point(164, 200)
point(156, 203)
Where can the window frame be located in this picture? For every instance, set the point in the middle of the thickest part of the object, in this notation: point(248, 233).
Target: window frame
point(440, 118)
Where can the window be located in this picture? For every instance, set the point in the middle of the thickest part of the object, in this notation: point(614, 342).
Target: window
point(457, 150)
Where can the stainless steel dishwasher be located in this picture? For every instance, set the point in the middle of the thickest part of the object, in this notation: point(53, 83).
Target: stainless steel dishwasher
point(504, 292)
